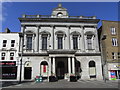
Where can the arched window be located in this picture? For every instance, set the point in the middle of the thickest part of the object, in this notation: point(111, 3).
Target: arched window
point(92, 69)
point(29, 41)
point(29, 37)
point(60, 36)
point(44, 68)
point(75, 36)
point(91, 64)
point(44, 36)
point(90, 39)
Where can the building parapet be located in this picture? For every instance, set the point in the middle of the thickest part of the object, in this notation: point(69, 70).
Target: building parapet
point(49, 16)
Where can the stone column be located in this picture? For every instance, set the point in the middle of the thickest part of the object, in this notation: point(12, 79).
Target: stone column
point(68, 37)
point(64, 42)
point(54, 66)
point(49, 66)
point(83, 39)
point(18, 69)
point(69, 66)
point(22, 76)
point(25, 41)
point(96, 40)
point(33, 42)
point(73, 65)
point(37, 41)
point(40, 42)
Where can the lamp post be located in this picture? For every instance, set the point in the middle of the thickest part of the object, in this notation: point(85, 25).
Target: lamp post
point(103, 58)
point(21, 36)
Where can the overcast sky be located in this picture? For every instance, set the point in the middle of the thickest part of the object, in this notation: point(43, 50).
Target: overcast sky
point(12, 10)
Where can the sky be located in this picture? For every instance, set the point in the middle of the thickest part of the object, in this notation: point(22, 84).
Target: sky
point(11, 11)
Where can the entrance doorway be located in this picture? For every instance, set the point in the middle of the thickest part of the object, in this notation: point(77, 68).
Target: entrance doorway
point(60, 71)
point(27, 70)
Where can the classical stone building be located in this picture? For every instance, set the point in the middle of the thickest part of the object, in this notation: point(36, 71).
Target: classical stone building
point(110, 49)
point(60, 45)
point(9, 45)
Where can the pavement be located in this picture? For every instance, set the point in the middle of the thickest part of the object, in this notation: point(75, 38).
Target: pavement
point(66, 84)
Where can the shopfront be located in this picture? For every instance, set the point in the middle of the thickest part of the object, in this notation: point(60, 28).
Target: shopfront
point(114, 71)
point(9, 70)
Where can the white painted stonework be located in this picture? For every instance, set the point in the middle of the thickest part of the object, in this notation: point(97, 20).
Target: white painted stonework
point(67, 56)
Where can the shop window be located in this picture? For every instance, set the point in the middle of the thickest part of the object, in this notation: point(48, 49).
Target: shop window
point(12, 43)
point(11, 56)
point(2, 56)
point(4, 43)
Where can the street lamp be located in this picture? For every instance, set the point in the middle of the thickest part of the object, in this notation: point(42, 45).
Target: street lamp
point(103, 58)
point(21, 36)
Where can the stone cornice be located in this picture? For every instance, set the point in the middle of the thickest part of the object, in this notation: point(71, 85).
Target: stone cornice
point(88, 54)
point(75, 20)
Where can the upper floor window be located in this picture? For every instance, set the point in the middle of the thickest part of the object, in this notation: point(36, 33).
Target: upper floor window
point(118, 55)
point(113, 55)
point(60, 42)
point(4, 43)
point(89, 41)
point(113, 30)
point(44, 42)
point(29, 42)
point(2, 56)
point(114, 42)
point(75, 41)
point(11, 56)
point(12, 43)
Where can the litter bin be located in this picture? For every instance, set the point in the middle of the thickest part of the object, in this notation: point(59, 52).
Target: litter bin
point(52, 79)
point(73, 79)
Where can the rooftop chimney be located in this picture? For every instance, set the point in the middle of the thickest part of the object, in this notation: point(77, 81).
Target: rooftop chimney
point(7, 30)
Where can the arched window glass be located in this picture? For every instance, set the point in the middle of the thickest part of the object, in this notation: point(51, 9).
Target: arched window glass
point(92, 69)
point(75, 41)
point(29, 42)
point(44, 41)
point(91, 64)
point(89, 41)
point(60, 41)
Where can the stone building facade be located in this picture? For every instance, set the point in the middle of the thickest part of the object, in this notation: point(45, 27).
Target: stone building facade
point(60, 45)
point(110, 44)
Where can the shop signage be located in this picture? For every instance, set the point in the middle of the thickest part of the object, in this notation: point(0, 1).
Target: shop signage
point(8, 63)
point(9, 72)
point(112, 74)
point(118, 66)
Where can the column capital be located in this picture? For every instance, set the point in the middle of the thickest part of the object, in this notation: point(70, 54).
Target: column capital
point(38, 26)
point(24, 26)
point(52, 26)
